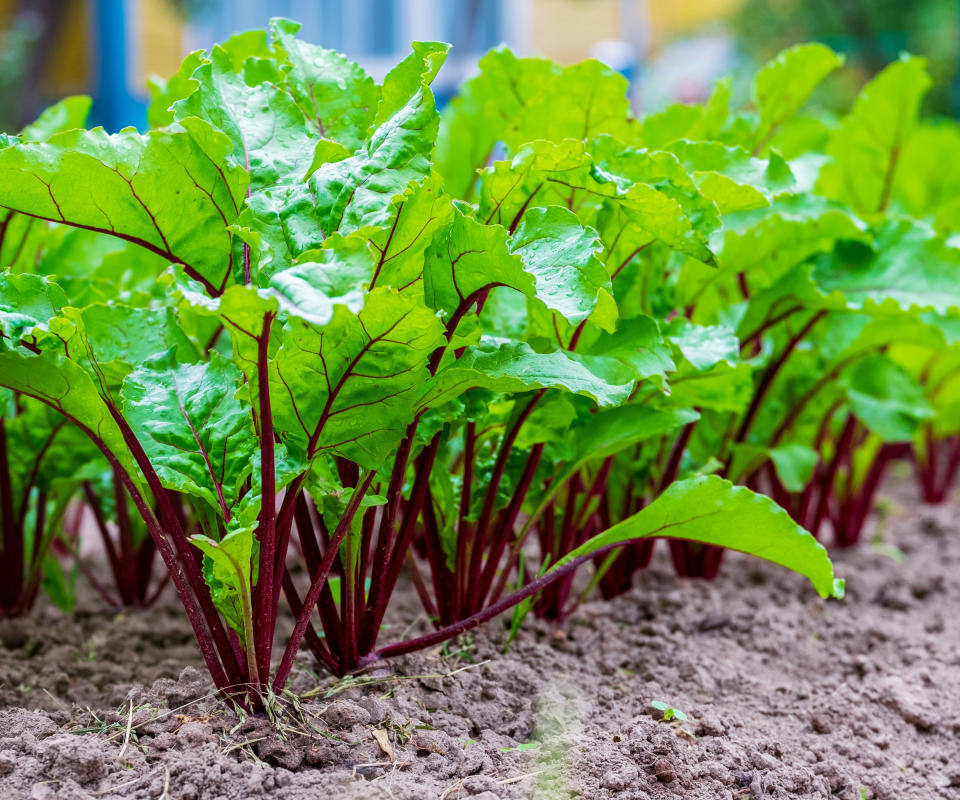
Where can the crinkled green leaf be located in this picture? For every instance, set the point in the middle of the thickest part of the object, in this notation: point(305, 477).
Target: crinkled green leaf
point(335, 95)
point(267, 130)
point(193, 426)
point(562, 256)
point(338, 273)
point(26, 302)
point(704, 345)
point(353, 193)
point(350, 387)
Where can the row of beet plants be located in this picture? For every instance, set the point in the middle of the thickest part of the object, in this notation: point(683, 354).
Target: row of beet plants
point(308, 337)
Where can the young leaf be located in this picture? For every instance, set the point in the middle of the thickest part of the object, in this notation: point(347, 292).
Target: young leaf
point(230, 571)
point(355, 192)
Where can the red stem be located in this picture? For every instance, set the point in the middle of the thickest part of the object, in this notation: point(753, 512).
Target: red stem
point(318, 581)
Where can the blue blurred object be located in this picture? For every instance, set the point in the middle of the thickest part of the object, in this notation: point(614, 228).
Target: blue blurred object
point(114, 105)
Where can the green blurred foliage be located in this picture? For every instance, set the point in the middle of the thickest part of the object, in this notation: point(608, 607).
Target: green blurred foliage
point(871, 33)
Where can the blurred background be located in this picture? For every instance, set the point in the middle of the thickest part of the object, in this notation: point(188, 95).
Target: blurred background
point(672, 50)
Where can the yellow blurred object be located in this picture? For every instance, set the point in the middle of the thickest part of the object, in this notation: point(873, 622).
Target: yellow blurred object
point(160, 33)
point(565, 30)
point(670, 18)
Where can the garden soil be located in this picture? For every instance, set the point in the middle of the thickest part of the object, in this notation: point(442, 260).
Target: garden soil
point(785, 696)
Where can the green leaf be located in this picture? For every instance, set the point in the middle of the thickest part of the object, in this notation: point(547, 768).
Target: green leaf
point(336, 274)
point(638, 344)
point(721, 388)
point(611, 430)
point(165, 92)
point(229, 568)
point(785, 84)
point(267, 130)
point(682, 121)
point(704, 345)
point(562, 256)
point(355, 193)
point(731, 177)
point(110, 340)
point(928, 179)
point(584, 101)
point(483, 110)
point(507, 366)
point(767, 241)
point(197, 433)
point(335, 95)
point(69, 113)
point(66, 387)
point(26, 302)
point(165, 190)
point(466, 258)
point(420, 212)
point(886, 399)
point(866, 147)
point(350, 386)
point(911, 268)
point(794, 464)
point(652, 190)
point(714, 511)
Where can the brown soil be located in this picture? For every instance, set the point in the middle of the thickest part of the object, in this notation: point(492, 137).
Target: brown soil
point(787, 696)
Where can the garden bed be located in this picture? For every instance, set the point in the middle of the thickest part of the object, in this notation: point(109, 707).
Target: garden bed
point(787, 696)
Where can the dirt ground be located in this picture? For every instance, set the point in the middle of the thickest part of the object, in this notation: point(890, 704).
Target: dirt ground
point(786, 696)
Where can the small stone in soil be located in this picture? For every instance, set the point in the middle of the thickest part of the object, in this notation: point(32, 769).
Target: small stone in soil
point(664, 771)
point(283, 754)
point(344, 714)
point(620, 778)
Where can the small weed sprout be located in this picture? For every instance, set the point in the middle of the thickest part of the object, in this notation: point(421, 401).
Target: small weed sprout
point(669, 713)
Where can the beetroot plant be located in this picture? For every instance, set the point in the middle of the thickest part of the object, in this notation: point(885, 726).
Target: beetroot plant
point(773, 316)
point(359, 344)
